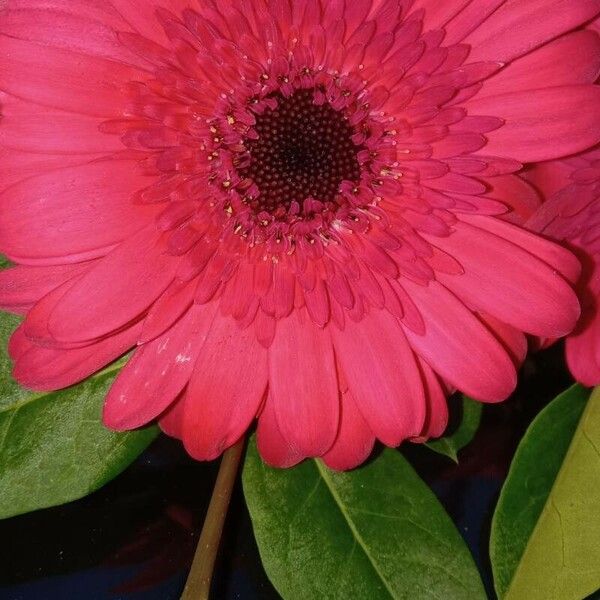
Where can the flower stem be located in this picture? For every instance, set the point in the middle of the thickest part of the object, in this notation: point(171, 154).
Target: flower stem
point(197, 586)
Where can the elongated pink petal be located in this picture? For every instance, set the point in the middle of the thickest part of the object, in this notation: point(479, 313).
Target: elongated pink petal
point(382, 375)
point(167, 309)
point(22, 286)
point(582, 354)
point(58, 78)
point(458, 347)
point(36, 320)
point(513, 340)
point(17, 165)
point(229, 382)
point(536, 22)
point(579, 63)
point(171, 421)
point(437, 407)
point(516, 194)
point(553, 254)
point(355, 440)
point(43, 130)
point(85, 208)
point(103, 301)
point(63, 24)
point(141, 14)
point(272, 445)
point(509, 283)
point(157, 372)
point(45, 369)
point(303, 385)
point(542, 124)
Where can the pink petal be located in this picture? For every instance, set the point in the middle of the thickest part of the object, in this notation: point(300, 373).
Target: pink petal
point(516, 194)
point(382, 375)
point(514, 342)
point(171, 421)
point(16, 165)
point(550, 177)
point(542, 124)
point(39, 129)
point(273, 447)
point(18, 343)
point(63, 24)
point(62, 79)
point(508, 282)
point(583, 352)
point(559, 258)
point(167, 309)
point(437, 14)
point(225, 391)
point(437, 407)
point(355, 440)
point(569, 60)
point(22, 286)
point(141, 14)
point(519, 26)
point(104, 300)
point(45, 369)
point(458, 347)
point(36, 320)
point(93, 11)
point(84, 208)
point(157, 372)
point(469, 19)
point(303, 384)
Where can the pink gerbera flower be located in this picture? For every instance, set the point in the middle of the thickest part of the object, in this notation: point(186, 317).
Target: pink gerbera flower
point(290, 208)
point(572, 214)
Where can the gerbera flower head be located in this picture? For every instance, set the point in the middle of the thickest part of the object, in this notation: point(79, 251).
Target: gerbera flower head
point(289, 208)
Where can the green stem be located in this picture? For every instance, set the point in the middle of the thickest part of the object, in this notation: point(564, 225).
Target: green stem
point(197, 586)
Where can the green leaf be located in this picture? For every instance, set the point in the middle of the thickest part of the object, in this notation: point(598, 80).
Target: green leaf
point(376, 532)
point(545, 541)
point(10, 392)
point(53, 447)
point(469, 424)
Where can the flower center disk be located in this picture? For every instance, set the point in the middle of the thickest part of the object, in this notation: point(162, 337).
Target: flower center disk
point(303, 150)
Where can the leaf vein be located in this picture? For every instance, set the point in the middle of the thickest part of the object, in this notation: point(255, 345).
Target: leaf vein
point(352, 527)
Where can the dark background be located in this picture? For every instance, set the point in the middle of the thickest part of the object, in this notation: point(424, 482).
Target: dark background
point(135, 538)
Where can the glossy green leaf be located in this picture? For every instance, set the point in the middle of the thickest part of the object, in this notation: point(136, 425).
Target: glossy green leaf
point(376, 532)
point(53, 447)
point(469, 424)
point(545, 542)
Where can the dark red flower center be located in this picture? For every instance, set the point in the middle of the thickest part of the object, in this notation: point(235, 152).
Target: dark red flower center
point(303, 151)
